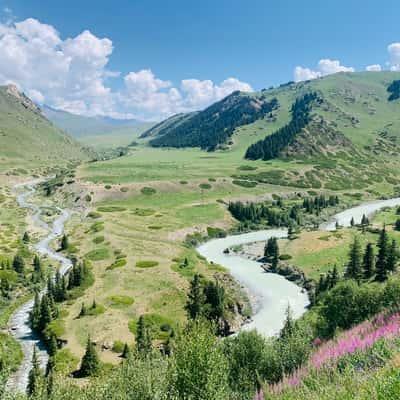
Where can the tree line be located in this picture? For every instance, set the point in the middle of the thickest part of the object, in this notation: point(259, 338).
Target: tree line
point(271, 146)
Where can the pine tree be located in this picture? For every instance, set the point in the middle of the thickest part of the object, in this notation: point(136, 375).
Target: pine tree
point(397, 224)
point(364, 220)
point(37, 269)
point(35, 313)
point(353, 270)
point(35, 378)
point(45, 313)
point(143, 339)
point(52, 345)
point(392, 257)
point(334, 277)
point(195, 299)
point(126, 351)
point(90, 365)
point(352, 223)
point(368, 264)
point(289, 324)
point(83, 311)
point(64, 243)
point(381, 262)
point(25, 238)
point(18, 264)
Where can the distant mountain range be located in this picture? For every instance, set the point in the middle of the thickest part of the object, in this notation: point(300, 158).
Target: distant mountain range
point(79, 126)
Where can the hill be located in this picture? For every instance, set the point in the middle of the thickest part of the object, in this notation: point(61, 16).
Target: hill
point(353, 106)
point(28, 139)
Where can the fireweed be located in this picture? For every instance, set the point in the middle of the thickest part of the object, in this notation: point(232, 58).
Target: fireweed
point(384, 327)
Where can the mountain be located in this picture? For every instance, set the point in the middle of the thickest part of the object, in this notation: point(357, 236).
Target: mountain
point(79, 125)
point(99, 132)
point(351, 112)
point(29, 139)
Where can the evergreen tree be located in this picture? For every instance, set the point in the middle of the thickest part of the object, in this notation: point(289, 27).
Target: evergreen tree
point(392, 257)
point(37, 269)
point(83, 311)
point(364, 220)
point(35, 378)
point(289, 324)
point(334, 277)
point(381, 262)
point(64, 242)
point(126, 351)
point(368, 264)
point(90, 365)
point(397, 224)
point(46, 315)
point(35, 313)
point(52, 345)
point(353, 270)
point(352, 223)
point(195, 299)
point(18, 264)
point(25, 238)
point(143, 339)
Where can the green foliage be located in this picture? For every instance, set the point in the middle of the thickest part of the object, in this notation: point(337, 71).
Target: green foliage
point(148, 191)
point(146, 264)
point(394, 90)
point(119, 300)
point(121, 262)
point(205, 186)
point(98, 239)
point(246, 184)
point(98, 254)
point(158, 326)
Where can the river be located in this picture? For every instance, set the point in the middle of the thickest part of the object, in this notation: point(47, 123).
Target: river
point(19, 322)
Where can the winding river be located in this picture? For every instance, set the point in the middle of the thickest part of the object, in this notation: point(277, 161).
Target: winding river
point(19, 322)
point(271, 293)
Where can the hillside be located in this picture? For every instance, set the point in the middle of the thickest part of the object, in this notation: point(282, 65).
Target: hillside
point(28, 139)
point(355, 106)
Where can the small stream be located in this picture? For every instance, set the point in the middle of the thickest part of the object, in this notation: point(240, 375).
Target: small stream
point(18, 324)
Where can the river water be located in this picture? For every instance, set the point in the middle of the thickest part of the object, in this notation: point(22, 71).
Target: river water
point(271, 293)
point(19, 322)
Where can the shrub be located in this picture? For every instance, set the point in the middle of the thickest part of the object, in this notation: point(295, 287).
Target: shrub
point(148, 191)
point(146, 264)
point(121, 262)
point(246, 184)
point(111, 209)
point(119, 300)
point(206, 186)
point(98, 239)
point(98, 254)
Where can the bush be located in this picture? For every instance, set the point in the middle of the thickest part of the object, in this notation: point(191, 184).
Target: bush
point(146, 264)
point(148, 191)
point(246, 184)
point(206, 186)
point(119, 300)
point(98, 239)
point(98, 254)
point(111, 209)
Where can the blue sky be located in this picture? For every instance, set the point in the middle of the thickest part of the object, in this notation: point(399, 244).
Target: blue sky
point(258, 43)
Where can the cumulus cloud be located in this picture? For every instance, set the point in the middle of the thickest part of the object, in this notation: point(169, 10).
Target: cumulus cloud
point(373, 67)
point(325, 67)
point(394, 56)
point(71, 74)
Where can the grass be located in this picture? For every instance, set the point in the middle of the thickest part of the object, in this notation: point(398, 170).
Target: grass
point(120, 300)
point(158, 325)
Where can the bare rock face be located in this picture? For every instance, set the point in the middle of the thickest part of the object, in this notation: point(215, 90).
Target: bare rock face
point(12, 90)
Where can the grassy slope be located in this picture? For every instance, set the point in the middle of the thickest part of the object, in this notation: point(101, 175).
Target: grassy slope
point(30, 140)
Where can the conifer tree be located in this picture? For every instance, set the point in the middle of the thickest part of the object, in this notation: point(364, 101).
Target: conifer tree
point(381, 261)
point(25, 238)
point(368, 264)
point(397, 224)
point(353, 270)
point(195, 299)
point(83, 311)
point(126, 351)
point(90, 365)
point(352, 223)
point(18, 264)
point(45, 313)
point(289, 324)
point(35, 378)
point(52, 345)
point(35, 313)
point(143, 339)
point(64, 242)
point(392, 257)
point(334, 277)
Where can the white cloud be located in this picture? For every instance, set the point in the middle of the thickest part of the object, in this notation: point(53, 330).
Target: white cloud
point(394, 56)
point(325, 67)
point(373, 67)
point(71, 74)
